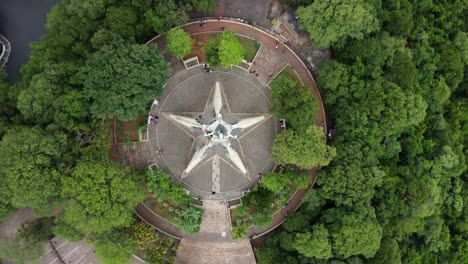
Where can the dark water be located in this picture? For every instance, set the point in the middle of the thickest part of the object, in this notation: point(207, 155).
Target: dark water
point(22, 22)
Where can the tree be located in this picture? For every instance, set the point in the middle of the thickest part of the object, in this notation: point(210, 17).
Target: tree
point(331, 21)
point(389, 252)
point(231, 51)
point(110, 253)
point(102, 196)
point(189, 219)
point(297, 222)
point(114, 247)
point(160, 184)
point(398, 17)
point(451, 66)
point(158, 249)
point(122, 20)
point(65, 231)
point(313, 202)
point(306, 150)
point(123, 78)
point(104, 37)
point(167, 14)
point(402, 70)
point(353, 232)
point(179, 43)
point(275, 182)
point(212, 51)
point(294, 103)
point(8, 108)
point(39, 102)
point(314, 244)
point(144, 235)
point(27, 245)
point(206, 6)
point(29, 160)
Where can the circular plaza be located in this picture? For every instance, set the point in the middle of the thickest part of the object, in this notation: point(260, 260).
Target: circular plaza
point(213, 132)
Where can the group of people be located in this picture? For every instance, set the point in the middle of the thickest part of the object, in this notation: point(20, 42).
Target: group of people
point(207, 68)
point(153, 120)
point(254, 73)
point(203, 23)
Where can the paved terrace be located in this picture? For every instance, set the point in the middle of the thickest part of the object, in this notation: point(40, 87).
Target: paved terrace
point(214, 245)
point(268, 63)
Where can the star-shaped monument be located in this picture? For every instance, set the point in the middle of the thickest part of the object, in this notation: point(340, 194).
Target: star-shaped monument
point(216, 131)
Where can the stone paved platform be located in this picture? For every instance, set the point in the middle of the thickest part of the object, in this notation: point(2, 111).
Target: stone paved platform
point(214, 243)
point(189, 94)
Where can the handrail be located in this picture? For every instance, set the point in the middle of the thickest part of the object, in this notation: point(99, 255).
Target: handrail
point(6, 49)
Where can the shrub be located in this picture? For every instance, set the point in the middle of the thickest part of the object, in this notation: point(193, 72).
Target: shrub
point(67, 232)
point(212, 51)
point(179, 43)
point(189, 219)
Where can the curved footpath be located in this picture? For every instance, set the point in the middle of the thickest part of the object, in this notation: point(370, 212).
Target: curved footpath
point(266, 57)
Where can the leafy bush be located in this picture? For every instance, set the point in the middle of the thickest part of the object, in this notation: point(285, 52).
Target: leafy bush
point(179, 43)
point(158, 248)
point(231, 52)
point(206, 6)
point(189, 219)
point(212, 52)
point(67, 232)
point(292, 102)
point(27, 246)
point(159, 183)
point(114, 247)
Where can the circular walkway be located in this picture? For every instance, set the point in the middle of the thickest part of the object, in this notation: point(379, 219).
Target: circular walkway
point(174, 144)
point(270, 60)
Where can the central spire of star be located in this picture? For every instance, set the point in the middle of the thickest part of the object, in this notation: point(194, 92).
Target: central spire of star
point(216, 132)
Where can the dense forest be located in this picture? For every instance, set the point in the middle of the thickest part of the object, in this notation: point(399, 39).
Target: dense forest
point(54, 148)
point(396, 92)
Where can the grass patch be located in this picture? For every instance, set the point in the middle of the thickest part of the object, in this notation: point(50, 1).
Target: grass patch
point(127, 131)
point(258, 208)
point(251, 47)
point(289, 71)
point(162, 208)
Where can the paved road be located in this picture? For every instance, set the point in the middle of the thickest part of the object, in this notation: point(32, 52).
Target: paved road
point(22, 22)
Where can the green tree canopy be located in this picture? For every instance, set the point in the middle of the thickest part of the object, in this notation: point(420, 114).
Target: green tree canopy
point(294, 103)
point(306, 150)
point(354, 232)
point(314, 244)
point(114, 247)
point(166, 14)
point(205, 5)
point(179, 43)
point(29, 159)
point(27, 245)
point(231, 51)
point(331, 21)
point(103, 196)
point(211, 50)
point(123, 78)
point(275, 182)
point(122, 20)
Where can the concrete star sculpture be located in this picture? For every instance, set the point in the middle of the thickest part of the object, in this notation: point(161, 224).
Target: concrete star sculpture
point(215, 130)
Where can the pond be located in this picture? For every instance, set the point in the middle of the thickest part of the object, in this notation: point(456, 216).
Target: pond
point(22, 22)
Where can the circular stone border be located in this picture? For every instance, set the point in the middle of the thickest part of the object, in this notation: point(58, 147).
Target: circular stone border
point(306, 77)
point(180, 79)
